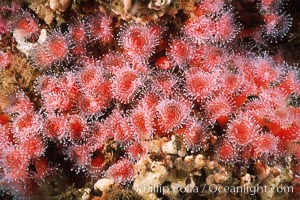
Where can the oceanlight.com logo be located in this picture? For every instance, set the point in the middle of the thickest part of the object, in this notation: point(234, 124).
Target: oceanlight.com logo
point(251, 190)
point(214, 188)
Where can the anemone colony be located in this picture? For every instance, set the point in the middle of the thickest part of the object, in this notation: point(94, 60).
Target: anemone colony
point(200, 86)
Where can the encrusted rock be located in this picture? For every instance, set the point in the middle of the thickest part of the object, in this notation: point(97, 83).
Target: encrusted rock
point(210, 179)
point(189, 188)
point(221, 176)
point(26, 47)
point(212, 164)
point(159, 4)
point(200, 161)
point(104, 184)
point(60, 5)
point(150, 177)
point(246, 180)
point(154, 146)
point(86, 194)
point(170, 147)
